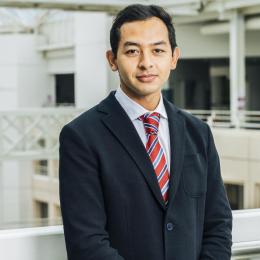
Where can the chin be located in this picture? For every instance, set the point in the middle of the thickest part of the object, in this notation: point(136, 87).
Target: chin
point(143, 89)
point(150, 89)
point(148, 93)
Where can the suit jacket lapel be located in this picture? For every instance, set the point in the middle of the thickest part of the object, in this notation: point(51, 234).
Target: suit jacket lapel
point(118, 122)
point(177, 143)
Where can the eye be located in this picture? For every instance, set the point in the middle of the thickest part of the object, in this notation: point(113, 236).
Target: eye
point(132, 52)
point(158, 51)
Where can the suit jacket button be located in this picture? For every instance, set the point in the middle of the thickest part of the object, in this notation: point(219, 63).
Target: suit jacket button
point(169, 226)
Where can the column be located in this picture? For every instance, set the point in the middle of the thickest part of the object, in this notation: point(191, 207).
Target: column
point(237, 66)
point(91, 79)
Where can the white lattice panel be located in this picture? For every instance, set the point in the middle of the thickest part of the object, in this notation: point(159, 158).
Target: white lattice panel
point(32, 133)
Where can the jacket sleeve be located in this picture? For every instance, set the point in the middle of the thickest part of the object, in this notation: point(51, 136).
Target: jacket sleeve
point(82, 203)
point(217, 238)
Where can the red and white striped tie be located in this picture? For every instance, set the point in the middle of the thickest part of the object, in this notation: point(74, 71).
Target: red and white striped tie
point(155, 151)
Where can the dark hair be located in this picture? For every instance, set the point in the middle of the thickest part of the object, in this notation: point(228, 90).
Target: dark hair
point(138, 12)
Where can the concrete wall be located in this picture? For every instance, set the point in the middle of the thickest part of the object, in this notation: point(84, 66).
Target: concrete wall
point(240, 161)
point(8, 72)
point(91, 78)
point(195, 45)
point(23, 83)
point(23, 73)
point(33, 243)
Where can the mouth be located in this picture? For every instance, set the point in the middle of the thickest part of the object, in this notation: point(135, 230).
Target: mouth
point(146, 78)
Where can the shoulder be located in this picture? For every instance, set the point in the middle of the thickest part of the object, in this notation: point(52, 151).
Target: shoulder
point(191, 122)
point(87, 118)
point(195, 130)
point(83, 124)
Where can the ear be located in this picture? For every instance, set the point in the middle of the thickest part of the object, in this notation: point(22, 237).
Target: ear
point(175, 57)
point(111, 60)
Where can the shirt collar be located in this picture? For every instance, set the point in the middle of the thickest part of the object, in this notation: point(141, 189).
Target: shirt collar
point(135, 110)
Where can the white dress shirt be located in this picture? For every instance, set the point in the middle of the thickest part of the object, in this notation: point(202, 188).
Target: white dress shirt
point(134, 111)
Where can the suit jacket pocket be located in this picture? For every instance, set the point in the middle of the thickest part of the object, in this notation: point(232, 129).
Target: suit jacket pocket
point(194, 175)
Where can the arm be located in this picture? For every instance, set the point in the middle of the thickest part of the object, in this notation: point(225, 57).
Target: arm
point(217, 240)
point(82, 203)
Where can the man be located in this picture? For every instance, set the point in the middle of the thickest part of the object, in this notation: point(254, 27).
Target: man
point(139, 178)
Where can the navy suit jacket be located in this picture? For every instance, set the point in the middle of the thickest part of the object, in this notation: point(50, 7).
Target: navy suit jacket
point(111, 203)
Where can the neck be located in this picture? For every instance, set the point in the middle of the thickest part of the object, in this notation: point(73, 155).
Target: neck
point(149, 102)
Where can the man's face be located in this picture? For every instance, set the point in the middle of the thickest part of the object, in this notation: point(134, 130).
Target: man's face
point(144, 58)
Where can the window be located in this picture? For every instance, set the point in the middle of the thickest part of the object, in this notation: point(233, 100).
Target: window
point(41, 167)
point(41, 209)
point(65, 92)
point(235, 195)
point(257, 195)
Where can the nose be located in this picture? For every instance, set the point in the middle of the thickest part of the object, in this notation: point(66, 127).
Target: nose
point(146, 61)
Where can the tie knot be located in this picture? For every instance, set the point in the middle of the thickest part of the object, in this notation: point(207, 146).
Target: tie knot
point(151, 122)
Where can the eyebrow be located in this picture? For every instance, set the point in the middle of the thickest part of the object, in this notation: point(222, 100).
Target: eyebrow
point(128, 43)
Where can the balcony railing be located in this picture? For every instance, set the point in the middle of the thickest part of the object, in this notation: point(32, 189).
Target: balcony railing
point(33, 133)
point(222, 118)
point(43, 243)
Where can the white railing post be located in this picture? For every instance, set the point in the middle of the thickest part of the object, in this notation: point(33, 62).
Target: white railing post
point(210, 119)
point(237, 66)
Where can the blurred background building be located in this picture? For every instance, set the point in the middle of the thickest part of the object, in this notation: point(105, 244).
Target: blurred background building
point(53, 67)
